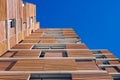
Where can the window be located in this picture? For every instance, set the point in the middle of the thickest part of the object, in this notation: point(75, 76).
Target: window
point(116, 78)
point(53, 54)
point(12, 23)
point(51, 77)
point(96, 52)
point(101, 56)
point(42, 54)
point(50, 46)
point(106, 63)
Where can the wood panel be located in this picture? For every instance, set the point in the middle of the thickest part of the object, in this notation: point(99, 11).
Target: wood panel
point(12, 32)
point(19, 9)
point(99, 62)
point(91, 76)
point(27, 54)
point(27, 65)
point(22, 46)
point(2, 31)
point(110, 56)
point(114, 62)
point(8, 54)
point(17, 76)
point(105, 52)
point(3, 47)
point(3, 12)
point(111, 70)
point(37, 25)
point(87, 65)
point(25, 33)
point(12, 9)
point(75, 46)
point(22, 54)
point(40, 65)
point(19, 25)
point(53, 54)
point(79, 53)
point(30, 41)
point(4, 65)
point(12, 41)
point(36, 34)
point(40, 38)
point(19, 36)
point(59, 64)
point(49, 41)
point(25, 14)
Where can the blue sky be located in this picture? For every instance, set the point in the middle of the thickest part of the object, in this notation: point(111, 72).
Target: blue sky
point(97, 22)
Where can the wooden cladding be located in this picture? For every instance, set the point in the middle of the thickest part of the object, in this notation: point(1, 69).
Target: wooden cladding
point(2, 31)
point(22, 46)
point(80, 53)
point(75, 46)
point(21, 54)
point(24, 14)
point(4, 65)
point(19, 9)
point(91, 76)
point(32, 10)
point(53, 54)
point(48, 41)
point(3, 47)
point(3, 10)
point(19, 36)
point(36, 34)
point(26, 65)
point(45, 65)
point(83, 65)
point(12, 41)
point(53, 65)
point(29, 10)
point(30, 41)
point(11, 8)
point(14, 76)
point(112, 69)
point(40, 38)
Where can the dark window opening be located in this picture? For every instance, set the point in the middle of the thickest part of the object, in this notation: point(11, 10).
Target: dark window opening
point(51, 77)
point(116, 78)
point(53, 54)
point(106, 63)
point(12, 23)
point(46, 46)
point(42, 54)
point(101, 56)
point(65, 54)
point(96, 52)
point(79, 60)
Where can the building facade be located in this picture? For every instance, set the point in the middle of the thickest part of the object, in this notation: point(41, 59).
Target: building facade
point(28, 52)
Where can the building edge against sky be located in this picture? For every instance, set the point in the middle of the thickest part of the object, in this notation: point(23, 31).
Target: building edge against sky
point(28, 52)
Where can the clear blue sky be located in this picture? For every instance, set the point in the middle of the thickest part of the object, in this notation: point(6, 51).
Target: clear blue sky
point(97, 22)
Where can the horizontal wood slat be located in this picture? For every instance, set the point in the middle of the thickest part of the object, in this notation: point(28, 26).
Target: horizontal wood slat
point(79, 53)
point(49, 41)
point(30, 41)
point(87, 65)
point(53, 54)
point(22, 46)
point(91, 76)
point(75, 46)
point(14, 76)
point(40, 65)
